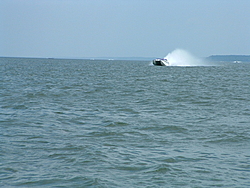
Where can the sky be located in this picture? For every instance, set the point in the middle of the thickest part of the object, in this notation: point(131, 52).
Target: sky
point(123, 28)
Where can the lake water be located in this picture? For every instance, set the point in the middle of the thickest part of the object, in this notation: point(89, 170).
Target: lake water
point(93, 123)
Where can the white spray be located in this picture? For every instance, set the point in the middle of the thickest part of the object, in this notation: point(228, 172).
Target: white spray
point(181, 57)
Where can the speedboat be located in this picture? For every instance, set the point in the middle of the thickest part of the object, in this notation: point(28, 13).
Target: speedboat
point(160, 62)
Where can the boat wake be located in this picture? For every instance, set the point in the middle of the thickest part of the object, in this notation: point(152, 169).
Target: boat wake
point(181, 57)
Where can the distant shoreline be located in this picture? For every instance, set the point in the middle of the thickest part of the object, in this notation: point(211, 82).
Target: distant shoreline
point(226, 58)
point(91, 58)
point(243, 58)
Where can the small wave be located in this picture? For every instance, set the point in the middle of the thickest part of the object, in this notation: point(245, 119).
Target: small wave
point(232, 139)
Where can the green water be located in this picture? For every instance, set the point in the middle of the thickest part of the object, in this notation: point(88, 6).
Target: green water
point(83, 123)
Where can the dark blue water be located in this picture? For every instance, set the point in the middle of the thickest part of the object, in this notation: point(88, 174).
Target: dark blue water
point(83, 123)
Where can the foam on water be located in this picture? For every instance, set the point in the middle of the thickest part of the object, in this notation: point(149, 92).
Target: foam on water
point(180, 57)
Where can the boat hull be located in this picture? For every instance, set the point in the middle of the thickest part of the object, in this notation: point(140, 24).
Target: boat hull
point(160, 62)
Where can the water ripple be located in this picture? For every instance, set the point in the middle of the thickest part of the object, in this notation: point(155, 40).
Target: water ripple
point(83, 123)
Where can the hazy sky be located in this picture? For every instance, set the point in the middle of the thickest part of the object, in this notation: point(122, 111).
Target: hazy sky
point(123, 28)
